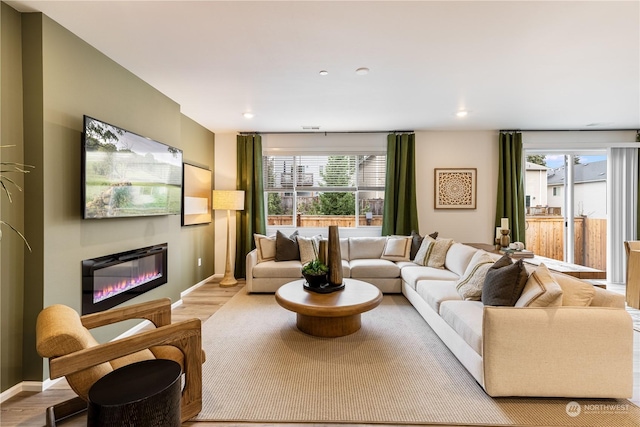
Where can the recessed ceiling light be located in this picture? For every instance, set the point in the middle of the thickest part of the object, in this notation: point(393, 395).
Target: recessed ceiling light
point(248, 115)
point(324, 72)
point(362, 71)
point(462, 113)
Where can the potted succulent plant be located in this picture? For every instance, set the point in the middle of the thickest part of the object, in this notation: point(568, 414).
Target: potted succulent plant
point(315, 273)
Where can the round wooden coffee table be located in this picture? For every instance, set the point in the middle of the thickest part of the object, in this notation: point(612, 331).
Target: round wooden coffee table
point(329, 315)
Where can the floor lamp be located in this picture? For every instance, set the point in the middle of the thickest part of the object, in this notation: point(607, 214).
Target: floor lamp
point(228, 200)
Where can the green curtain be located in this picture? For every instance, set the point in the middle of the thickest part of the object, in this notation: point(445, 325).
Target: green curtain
point(400, 208)
point(510, 200)
point(251, 219)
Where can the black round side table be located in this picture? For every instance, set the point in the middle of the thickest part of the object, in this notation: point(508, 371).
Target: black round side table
point(142, 394)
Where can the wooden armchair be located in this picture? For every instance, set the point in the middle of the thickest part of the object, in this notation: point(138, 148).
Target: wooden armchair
point(63, 336)
point(633, 273)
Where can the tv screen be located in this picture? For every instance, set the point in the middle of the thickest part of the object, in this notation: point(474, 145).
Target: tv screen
point(127, 175)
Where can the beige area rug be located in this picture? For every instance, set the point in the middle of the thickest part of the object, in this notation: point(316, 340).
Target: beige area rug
point(395, 370)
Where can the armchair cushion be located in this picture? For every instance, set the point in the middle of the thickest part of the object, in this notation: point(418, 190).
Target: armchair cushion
point(59, 331)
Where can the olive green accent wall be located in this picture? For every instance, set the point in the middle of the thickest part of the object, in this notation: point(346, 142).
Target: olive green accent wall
point(198, 240)
point(11, 246)
point(32, 87)
point(63, 79)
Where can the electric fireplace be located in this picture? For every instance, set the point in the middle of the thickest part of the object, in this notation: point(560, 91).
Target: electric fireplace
point(113, 279)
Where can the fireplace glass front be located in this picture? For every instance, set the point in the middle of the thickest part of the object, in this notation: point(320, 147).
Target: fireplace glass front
point(111, 280)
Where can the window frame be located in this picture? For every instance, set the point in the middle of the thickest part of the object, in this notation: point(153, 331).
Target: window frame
point(296, 158)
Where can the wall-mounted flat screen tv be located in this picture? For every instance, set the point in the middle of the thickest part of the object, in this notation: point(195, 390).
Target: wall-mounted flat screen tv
point(127, 175)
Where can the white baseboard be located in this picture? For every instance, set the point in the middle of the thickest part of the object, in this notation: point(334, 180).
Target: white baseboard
point(197, 285)
point(38, 386)
point(33, 386)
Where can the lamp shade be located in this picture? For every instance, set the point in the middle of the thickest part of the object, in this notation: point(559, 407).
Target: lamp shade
point(228, 200)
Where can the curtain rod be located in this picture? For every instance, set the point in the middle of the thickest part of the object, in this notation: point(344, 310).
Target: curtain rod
point(569, 130)
point(324, 132)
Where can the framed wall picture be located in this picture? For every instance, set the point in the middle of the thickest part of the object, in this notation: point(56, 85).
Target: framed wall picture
point(196, 195)
point(455, 188)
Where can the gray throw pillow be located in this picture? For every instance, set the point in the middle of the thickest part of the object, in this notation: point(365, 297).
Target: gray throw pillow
point(504, 282)
point(416, 241)
point(287, 247)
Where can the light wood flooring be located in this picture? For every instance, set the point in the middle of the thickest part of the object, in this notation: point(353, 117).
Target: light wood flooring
point(28, 408)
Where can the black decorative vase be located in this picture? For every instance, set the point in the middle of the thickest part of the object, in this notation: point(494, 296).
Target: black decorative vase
point(334, 257)
point(315, 280)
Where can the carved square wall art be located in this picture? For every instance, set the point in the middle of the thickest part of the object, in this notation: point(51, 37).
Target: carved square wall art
point(455, 188)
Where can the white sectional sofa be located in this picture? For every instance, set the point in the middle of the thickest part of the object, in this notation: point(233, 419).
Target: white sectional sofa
point(554, 351)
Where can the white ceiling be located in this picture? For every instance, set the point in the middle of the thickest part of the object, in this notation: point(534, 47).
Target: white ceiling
point(512, 64)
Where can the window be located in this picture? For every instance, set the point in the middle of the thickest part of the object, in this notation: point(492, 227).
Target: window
point(568, 184)
point(310, 190)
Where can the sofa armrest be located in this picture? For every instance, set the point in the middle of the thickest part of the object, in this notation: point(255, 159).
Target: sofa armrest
point(251, 261)
point(561, 352)
point(606, 298)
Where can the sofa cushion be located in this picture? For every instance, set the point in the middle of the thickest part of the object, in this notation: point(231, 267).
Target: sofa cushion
point(346, 268)
point(458, 257)
point(403, 264)
point(412, 275)
point(287, 269)
point(435, 292)
point(266, 247)
point(287, 246)
point(344, 248)
point(575, 292)
point(469, 287)
point(540, 290)
point(465, 317)
point(504, 282)
point(366, 247)
point(397, 248)
point(373, 268)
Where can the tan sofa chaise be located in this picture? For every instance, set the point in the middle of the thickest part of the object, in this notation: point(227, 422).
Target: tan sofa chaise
point(581, 347)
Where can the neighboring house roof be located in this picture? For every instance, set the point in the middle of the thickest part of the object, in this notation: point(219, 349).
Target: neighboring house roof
point(583, 172)
point(535, 167)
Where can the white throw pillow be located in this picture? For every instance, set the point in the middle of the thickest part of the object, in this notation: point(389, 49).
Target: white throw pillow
point(541, 290)
point(308, 248)
point(397, 248)
point(423, 253)
point(266, 247)
point(469, 286)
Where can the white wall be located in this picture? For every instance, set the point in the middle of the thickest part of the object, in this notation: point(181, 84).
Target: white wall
point(536, 187)
point(225, 179)
point(458, 150)
point(590, 199)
